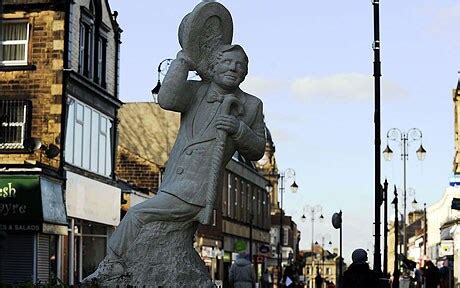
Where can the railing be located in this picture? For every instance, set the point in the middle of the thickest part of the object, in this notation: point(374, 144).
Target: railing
point(14, 117)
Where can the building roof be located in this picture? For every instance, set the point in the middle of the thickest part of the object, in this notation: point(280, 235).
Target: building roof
point(148, 130)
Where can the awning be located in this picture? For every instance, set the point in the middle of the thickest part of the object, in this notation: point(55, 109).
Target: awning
point(32, 203)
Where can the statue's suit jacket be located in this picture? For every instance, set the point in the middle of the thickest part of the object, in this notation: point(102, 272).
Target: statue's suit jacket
point(188, 170)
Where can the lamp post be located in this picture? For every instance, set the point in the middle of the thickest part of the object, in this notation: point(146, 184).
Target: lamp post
point(404, 138)
point(424, 230)
point(396, 226)
point(337, 223)
point(324, 238)
point(290, 174)
point(377, 126)
point(162, 69)
point(312, 211)
point(385, 228)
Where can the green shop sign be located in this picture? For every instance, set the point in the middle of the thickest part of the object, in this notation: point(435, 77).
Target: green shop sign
point(20, 198)
point(239, 245)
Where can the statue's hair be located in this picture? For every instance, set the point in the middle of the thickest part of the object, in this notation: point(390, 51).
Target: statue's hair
point(217, 55)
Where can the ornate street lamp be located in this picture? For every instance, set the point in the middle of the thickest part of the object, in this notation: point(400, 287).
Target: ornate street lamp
point(404, 138)
point(312, 211)
point(290, 174)
point(162, 69)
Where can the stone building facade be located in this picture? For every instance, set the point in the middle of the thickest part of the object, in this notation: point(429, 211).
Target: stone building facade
point(58, 111)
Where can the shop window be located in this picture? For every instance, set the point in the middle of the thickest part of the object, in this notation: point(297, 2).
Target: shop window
point(89, 138)
point(14, 38)
point(91, 247)
point(14, 118)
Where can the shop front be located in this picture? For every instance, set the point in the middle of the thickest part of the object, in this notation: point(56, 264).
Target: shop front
point(93, 208)
point(32, 223)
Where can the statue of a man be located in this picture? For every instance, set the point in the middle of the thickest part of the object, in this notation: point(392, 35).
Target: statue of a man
point(187, 191)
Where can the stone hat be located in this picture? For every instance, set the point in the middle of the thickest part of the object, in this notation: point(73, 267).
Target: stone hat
point(359, 256)
point(203, 30)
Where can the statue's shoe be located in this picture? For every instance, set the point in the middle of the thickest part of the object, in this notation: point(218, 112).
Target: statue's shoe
point(109, 268)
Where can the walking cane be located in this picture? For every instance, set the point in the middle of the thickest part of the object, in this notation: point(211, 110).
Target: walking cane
point(216, 160)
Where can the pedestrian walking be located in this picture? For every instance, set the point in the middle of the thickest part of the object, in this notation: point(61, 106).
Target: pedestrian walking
point(267, 279)
point(431, 274)
point(418, 276)
point(359, 275)
point(445, 275)
point(242, 274)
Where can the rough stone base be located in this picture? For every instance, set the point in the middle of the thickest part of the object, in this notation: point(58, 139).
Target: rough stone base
point(163, 256)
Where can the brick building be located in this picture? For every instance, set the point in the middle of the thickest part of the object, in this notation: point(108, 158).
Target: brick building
point(58, 110)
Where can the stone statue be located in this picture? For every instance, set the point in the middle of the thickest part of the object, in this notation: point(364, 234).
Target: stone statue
point(217, 119)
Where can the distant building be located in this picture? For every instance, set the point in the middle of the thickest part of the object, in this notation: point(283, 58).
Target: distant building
point(320, 262)
point(291, 236)
point(58, 110)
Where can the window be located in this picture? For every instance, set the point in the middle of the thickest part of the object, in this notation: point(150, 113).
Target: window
point(14, 38)
point(93, 45)
point(285, 236)
point(101, 61)
point(85, 63)
point(14, 116)
point(88, 138)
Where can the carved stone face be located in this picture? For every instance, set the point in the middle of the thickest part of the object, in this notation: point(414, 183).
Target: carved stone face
point(230, 70)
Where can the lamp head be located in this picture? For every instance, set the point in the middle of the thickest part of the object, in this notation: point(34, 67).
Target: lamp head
point(269, 187)
point(294, 187)
point(156, 90)
point(421, 153)
point(387, 153)
point(303, 218)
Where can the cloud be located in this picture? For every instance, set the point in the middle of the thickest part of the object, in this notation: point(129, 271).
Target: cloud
point(345, 86)
point(444, 21)
point(261, 86)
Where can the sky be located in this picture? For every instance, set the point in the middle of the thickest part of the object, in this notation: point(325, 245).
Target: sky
point(311, 63)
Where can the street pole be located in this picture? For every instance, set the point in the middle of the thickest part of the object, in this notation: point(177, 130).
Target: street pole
point(385, 228)
point(425, 222)
point(377, 185)
point(404, 140)
point(280, 247)
point(340, 259)
point(251, 217)
point(396, 224)
point(312, 230)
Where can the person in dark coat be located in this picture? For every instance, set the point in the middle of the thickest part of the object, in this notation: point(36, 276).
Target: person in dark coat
point(242, 274)
point(359, 275)
point(431, 274)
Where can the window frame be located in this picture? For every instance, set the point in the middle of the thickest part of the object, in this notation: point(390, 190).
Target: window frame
point(87, 121)
point(25, 42)
point(26, 127)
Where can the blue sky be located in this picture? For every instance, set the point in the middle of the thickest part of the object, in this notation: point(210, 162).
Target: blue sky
point(311, 64)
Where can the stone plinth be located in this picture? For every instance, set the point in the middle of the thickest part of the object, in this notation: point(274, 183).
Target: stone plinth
point(163, 256)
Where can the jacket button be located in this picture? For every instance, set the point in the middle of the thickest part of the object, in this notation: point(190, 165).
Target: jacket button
point(189, 151)
point(179, 170)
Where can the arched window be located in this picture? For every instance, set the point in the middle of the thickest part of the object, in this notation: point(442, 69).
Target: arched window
point(93, 43)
